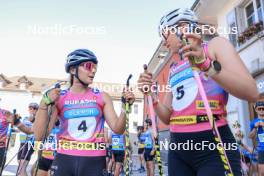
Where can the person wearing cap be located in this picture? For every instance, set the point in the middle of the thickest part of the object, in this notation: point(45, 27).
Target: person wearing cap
point(26, 138)
point(257, 132)
point(141, 140)
point(149, 149)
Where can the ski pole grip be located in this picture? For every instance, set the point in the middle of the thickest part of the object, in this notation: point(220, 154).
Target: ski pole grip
point(127, 86)
point(145, 89)
point(128, 79)
point(145, 68)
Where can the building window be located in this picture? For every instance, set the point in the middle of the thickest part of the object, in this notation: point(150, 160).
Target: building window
point(253, 12)
point(250, 16)
point(231, 21)
point(135, 108)
point(259, 10)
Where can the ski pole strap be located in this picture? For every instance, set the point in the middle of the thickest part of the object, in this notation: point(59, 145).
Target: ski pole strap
point(47, 99)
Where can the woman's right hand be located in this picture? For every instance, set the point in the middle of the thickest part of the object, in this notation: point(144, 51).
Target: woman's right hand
point(54, 94)
point(145, 82)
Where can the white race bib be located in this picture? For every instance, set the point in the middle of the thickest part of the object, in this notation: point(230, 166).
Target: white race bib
point(184, 94)
point(115, 141)
point(81, 128)
point(261, 137)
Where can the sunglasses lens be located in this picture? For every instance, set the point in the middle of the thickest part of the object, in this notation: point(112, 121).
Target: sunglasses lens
point(88, 66)
point(260, 109)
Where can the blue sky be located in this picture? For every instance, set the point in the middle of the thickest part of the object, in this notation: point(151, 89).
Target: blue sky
point(123, 35)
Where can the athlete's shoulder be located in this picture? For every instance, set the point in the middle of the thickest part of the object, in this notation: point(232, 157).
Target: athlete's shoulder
point(218, 41)
point(256, 119)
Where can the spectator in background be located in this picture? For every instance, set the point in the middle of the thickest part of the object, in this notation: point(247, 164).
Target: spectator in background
point(257, 132)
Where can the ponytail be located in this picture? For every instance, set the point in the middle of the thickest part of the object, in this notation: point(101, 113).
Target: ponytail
point(71, 80)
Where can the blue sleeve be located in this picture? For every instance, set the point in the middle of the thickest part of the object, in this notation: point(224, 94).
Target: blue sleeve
point(252, 124)
point(23, 120)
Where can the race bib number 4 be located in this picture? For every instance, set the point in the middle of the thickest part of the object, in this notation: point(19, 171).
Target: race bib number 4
point(81, 122)
point(81, 128)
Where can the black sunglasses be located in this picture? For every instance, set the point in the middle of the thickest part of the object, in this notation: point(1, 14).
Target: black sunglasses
point(260, 109)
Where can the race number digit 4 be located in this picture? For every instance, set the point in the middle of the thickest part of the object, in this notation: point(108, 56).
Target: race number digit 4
point(81, 128)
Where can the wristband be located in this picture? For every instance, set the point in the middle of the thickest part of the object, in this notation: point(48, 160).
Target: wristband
point(205, 65)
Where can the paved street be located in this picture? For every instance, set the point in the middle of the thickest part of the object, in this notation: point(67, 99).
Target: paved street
point(11, 169)
point(136, 165)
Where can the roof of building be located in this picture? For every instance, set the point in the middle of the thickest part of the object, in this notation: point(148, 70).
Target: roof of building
point(37, 85)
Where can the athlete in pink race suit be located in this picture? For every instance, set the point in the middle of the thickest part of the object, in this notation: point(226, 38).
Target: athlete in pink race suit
point(82, 112)
point(4, 121)
point(221, 71)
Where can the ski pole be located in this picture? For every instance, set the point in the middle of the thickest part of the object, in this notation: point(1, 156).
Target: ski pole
point(154, 125)
point(209, 113)
point(127, 109)
point(10, 128)
point(21, 166)
point(14, 156)
point(57, 85)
